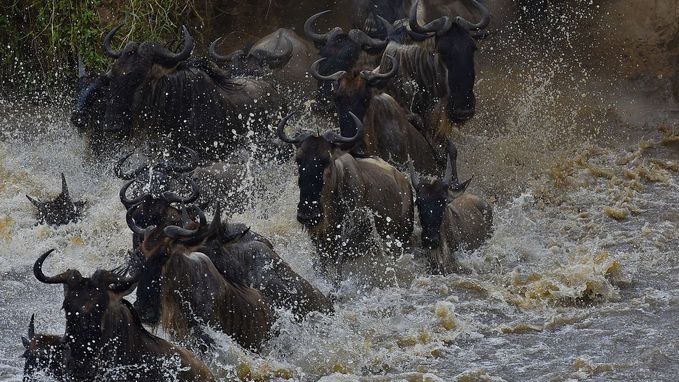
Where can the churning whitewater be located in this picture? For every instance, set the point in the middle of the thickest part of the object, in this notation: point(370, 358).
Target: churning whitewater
point(579, 280)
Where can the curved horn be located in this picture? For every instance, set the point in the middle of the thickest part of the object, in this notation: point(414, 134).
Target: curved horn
point(123, 196)
point(190, 166)
point(133, 225)
point(64, 186)
point(280, 130)
point(171, 197)
point(117, 169)
point(439, 26)
point(107, 43)
point(333, 77)
point(176, 232)
point(216, 223)
point(37, 271)
point(168, 59)
point(308, 28)
point(448, 176)
point(34, 202)
point(31, 327)
point(218, 57)
point(338, 139)
point(482, 24)
point(366, 42)
point(373, 77)
point(414, 178)
point(120, 284)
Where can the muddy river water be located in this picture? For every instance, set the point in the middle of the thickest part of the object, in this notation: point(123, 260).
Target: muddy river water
point(580, 280)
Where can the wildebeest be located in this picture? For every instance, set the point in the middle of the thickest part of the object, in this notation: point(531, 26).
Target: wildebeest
point(436, 77)
point(451, 219)
point(104, 337)
point(43, 354)
point(335, 188)
point(284, 53)
point(387, 131)
point(250, 262)
point(343, 51)
point(61, 210)
point(163, 96)
point(181, 289)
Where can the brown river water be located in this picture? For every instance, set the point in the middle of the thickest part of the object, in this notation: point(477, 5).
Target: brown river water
point(574, 143)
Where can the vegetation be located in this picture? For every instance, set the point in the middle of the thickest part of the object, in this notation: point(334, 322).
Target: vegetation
point(41, 40)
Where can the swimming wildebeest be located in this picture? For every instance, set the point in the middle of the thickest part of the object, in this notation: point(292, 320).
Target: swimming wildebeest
point(157, 95)
point(451, 219)
point(43, 354)
point(436, 76)
point(61, 210)
point(104, 337)
point(244, 262)
point(335, 187)
point(387, 131)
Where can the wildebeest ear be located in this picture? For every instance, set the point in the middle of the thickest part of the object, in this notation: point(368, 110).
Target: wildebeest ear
point(31, 327)
point(461, 188)
point(26, 342)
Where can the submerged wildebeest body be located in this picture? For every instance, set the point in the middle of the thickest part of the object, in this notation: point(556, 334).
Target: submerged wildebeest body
point(436, 76)
point(283, 55)
point(334, 186)
point(104, 338)
point(43, 355)
point(451, 219)
point(181, 289)
point(387, 131)
point(244, 261)
point(61, 210)
point(163, 97)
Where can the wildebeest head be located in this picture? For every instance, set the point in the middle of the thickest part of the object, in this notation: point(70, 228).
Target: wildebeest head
point(353, 93)
point(42, 353)
point(341, 52)
point(433, 197)
point(134, 64)
point(315, 155)
point(155, 251)
point(456, 47)
point(90, 106)
point(86, 300)
point(153, 207)
point(61, 210)
point(273, 52)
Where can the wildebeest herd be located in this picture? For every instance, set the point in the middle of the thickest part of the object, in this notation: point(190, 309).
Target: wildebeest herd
point(393, 89)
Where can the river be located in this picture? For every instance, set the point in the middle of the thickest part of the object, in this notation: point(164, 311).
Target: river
point(580, 280)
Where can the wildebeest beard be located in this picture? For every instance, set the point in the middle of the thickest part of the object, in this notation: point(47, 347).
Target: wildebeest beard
point(456, 48)
point(82, 340)
point(309, 208)
point(431, 211)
